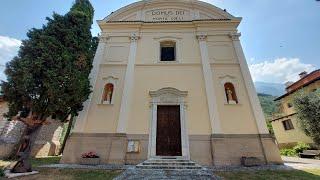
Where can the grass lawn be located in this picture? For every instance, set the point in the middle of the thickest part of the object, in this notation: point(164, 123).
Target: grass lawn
point(35, 161)
point(311, 174)
point(66, 174)
point(62, 174)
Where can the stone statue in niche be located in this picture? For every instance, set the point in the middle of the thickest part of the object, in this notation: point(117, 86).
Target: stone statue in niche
point(230, 93)
point(230, 96)
point(108, 93)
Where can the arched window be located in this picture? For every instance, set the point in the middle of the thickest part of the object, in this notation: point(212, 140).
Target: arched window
point(230, 93)
point(108, 93)
point(168, 51)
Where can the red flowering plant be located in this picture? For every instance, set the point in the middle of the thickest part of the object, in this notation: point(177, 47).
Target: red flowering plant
point(89, 155)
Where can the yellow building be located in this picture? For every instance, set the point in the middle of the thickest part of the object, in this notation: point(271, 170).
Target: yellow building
point(286, 128)
point(170, 80)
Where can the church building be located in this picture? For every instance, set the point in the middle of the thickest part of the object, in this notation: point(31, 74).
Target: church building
point(170, 80)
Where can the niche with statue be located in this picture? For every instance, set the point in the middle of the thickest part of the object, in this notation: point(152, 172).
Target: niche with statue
point(230, 93)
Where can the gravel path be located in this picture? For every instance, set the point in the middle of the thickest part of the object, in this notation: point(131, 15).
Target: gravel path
point(139, 174)
point(301, 163)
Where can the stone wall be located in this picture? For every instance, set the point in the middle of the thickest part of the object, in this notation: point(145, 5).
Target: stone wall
point(10, 137)
point(3, 109)
point(46, 144)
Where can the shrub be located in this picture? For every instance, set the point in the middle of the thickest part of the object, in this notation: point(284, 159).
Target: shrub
point(288, 152)
point(300, 147)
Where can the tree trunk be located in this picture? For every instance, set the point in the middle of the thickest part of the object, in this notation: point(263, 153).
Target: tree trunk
point(23, 164)
point(66, 135)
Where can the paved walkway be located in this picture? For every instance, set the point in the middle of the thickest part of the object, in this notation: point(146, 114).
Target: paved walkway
point(139, 174)
point(301, 163)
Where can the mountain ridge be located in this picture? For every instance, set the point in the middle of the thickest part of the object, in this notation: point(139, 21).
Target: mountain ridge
point(274, 89)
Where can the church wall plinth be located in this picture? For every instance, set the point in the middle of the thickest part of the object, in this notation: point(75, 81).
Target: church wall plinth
point(229, 148)
point(200, 149)
point(208, 150)
point(138, 157)
point(109, 147)
point(271, 150)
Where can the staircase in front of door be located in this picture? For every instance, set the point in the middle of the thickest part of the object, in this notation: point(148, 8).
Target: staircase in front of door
point(169, 163)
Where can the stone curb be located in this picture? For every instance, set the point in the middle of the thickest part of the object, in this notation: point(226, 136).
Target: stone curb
point(125, 167)
point(10, 175)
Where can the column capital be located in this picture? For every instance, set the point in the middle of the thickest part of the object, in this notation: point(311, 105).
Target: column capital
point(202, 37)
point(235, 36)
point(133, 37)
point(104, 39)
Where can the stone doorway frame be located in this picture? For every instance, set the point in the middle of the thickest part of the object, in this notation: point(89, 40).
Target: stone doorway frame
point(166, 97)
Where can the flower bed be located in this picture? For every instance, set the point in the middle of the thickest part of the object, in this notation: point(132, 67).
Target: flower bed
point(90, 158)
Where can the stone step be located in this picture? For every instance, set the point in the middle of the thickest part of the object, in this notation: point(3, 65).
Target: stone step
point(168, 167)
point(170, 163)
point(170, 158)
point(167, 160)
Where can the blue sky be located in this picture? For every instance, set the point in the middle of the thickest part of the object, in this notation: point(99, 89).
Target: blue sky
point(280, 38)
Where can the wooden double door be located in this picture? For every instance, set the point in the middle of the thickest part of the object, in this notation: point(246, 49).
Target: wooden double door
point(168, 131)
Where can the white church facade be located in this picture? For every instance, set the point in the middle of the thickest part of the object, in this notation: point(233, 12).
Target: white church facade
point(170, 79)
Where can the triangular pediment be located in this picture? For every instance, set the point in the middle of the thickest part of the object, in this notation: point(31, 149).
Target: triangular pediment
point(168, 10)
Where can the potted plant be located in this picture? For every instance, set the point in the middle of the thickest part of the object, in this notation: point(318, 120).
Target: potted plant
point(90, 158)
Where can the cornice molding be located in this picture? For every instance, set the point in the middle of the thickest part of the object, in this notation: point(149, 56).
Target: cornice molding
point(235, 36)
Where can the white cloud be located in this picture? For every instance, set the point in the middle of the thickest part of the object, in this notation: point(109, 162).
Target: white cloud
point(8, 49)
point(279, 70)
point(209, 1)
point(213, 1)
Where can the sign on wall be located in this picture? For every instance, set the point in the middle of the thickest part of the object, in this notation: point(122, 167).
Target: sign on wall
point(168, 15)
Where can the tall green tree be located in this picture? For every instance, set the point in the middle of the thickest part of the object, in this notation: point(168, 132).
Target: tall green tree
point(94, 45)
point(307, 106)
point(49, 77)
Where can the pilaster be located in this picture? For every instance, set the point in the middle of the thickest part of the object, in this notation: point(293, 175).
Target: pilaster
point(253, 97)
point(210, 91)
point(128, 86)
point(93, 77)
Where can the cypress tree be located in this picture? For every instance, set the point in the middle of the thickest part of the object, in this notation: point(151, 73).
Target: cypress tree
point(49, 77)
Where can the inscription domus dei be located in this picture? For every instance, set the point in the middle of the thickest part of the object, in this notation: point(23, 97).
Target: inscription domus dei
point(168, 15)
